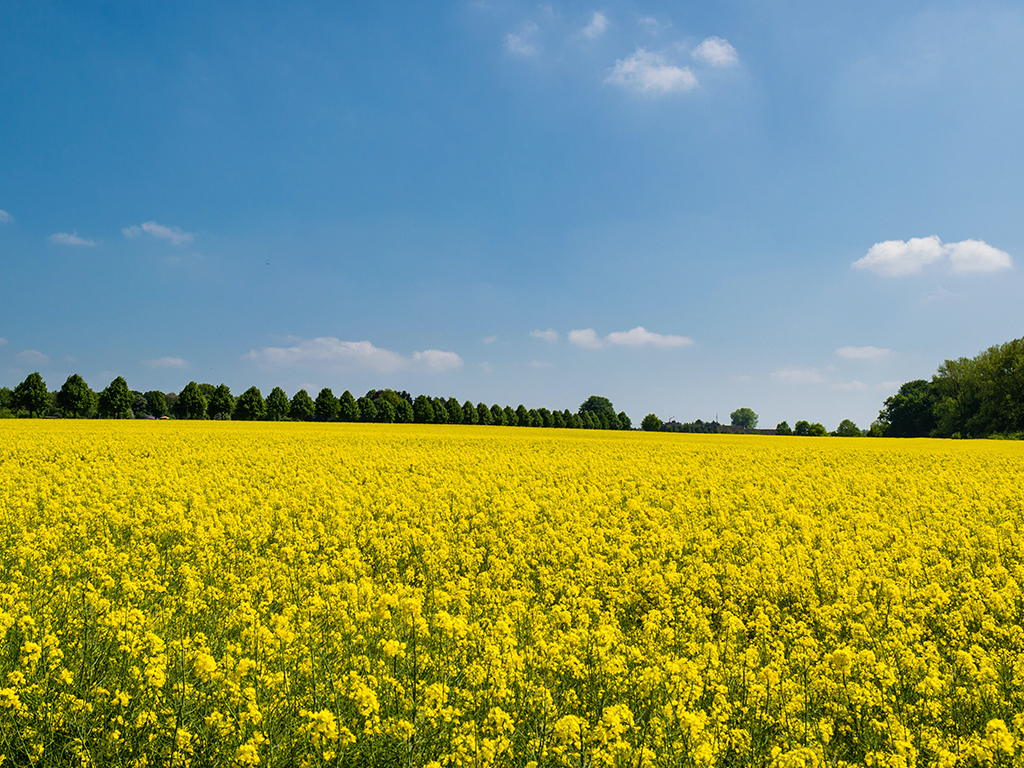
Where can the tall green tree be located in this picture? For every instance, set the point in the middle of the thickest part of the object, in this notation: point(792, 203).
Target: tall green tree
point(650, 423)
point(302, 408)
point(440, 411)
point(910, 412)
point(327, 405)
point(422, 410)
point(277, 405)
point(403, 412)
point(156, 401)
point(744, 417)
point(596, 404)
point(454, 411)
point(190, 403)
point(140, 405)
point(367, 410)
point(32, 396)
point(115, 402)
point(76, 399)
point(783, 428)
point(557, 420)
point(483, 414)
point(802, 428)
point(624, 421)
point(522, 418)
point(470, 415)
point(386, 411)
point(545, 417)
point(348, 409)
point(220, 403)
point(250, 405)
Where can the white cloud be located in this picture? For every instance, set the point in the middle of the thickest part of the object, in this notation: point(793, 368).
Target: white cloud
point(863, 353)
point(541, 364)
point(586, 338)
point(3, 342)
point(550, 335)
point(522, 43)
point(798, 376)
point(63, 238)
point(5, 217)
point(717, 52)
point(637, 337)
point(490, 339)
point(33, 357)
point(850, 386)
point(329, 352)
point(896, 258)
point(641, 337)
point(648, 72)
point(166, 362)
point(435, 360)
point(597, 26)
point(977, 256)
point(651, 25)
point(174, 234)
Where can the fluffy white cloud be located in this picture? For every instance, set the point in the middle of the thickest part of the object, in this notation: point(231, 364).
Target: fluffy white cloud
point(597, 26)
point(896, 258)
point(977, 256)
point(586, 338)
point(863, 353)
point(798, 376)
point(174, 234)
point(331, 353)
point(436, 360)
point(522, 43)
point(647, 72)
point(166, 362)
point(5, 217)
point(637, 337)
point(33, 357)
point(716, 51)
point(63, 238)
point(550, 335)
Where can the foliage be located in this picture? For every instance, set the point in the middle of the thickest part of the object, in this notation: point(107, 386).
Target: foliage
point(156, 403)
point(597, 404)
point(220, 403)
point(302, 408)
point(76, 399)
point(191, 404)
point(347, 408)
point(910, 412)
point(650, 423)
point(326, 406)
point(277, 405)
point(115, 402)
point(744, 417)
point(783, 428)
point(31, 396)
point(250, 406)
point(847, 428)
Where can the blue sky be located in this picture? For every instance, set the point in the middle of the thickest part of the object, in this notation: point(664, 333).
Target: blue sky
point(687, 208)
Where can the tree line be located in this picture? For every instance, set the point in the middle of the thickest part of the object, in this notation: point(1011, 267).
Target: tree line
point(77, 400)
point(981, 396)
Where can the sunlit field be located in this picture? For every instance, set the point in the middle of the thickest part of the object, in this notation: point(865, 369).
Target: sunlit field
point(229, 594)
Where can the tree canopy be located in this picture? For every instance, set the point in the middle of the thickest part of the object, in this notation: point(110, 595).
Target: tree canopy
point(744, 417)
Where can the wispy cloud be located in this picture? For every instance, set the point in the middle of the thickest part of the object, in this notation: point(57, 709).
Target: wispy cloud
point(3, 342)
point(647, 72)
point(327, 352)
point(897, 258)
point(523, 42)
point(5, 217)
point(637, 337)
point(166, 362)
point(651, 24)
point(598, 26)
point(850, 386)
point(550, 335)
point(540, 364)
point(798, 376)
point(63, 238)
point(716, 51)
point(33, 357)
point(174, 234)
point(490, 339)
point(863, 353)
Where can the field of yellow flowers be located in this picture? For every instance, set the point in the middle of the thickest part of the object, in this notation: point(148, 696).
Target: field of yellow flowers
point(233, 594)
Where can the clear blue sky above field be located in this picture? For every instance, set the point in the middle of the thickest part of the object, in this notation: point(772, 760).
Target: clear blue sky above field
point(686, 208)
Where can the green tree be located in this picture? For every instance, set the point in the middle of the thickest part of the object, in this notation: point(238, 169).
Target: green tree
point(545, 417)
point(302, 408)
point(327, 406)
point(911, 411)
point(31, 396)
point(802, 428)
point(483, 414)
point(250, 405)
point(597, 405)
point(348, 410)
point(847, 428)
point(522, 417)
point(115, 402)
point(367, 409)
point(140, 405)
point(422, 410)
point(207, 390)
point(277, 405)
point(6, 399)
point(510, 420)
point(76, 399)
point(557, 420)
point(744, 417)
point(440, 411)
point(190, 403)
point(156, 401)
point(454, 411)
point(498, 416)
point(470, 415)
point(624, 421)
point(817, 430)
point(533, 418)
point(220, 403)
point(650, 423)
point(403, 412)
point(783, 428)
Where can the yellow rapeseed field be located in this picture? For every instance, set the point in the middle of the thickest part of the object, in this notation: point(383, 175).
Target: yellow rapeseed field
point(233, 594)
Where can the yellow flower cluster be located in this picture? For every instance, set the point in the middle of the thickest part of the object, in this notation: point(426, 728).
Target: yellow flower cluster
point(241, 594)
